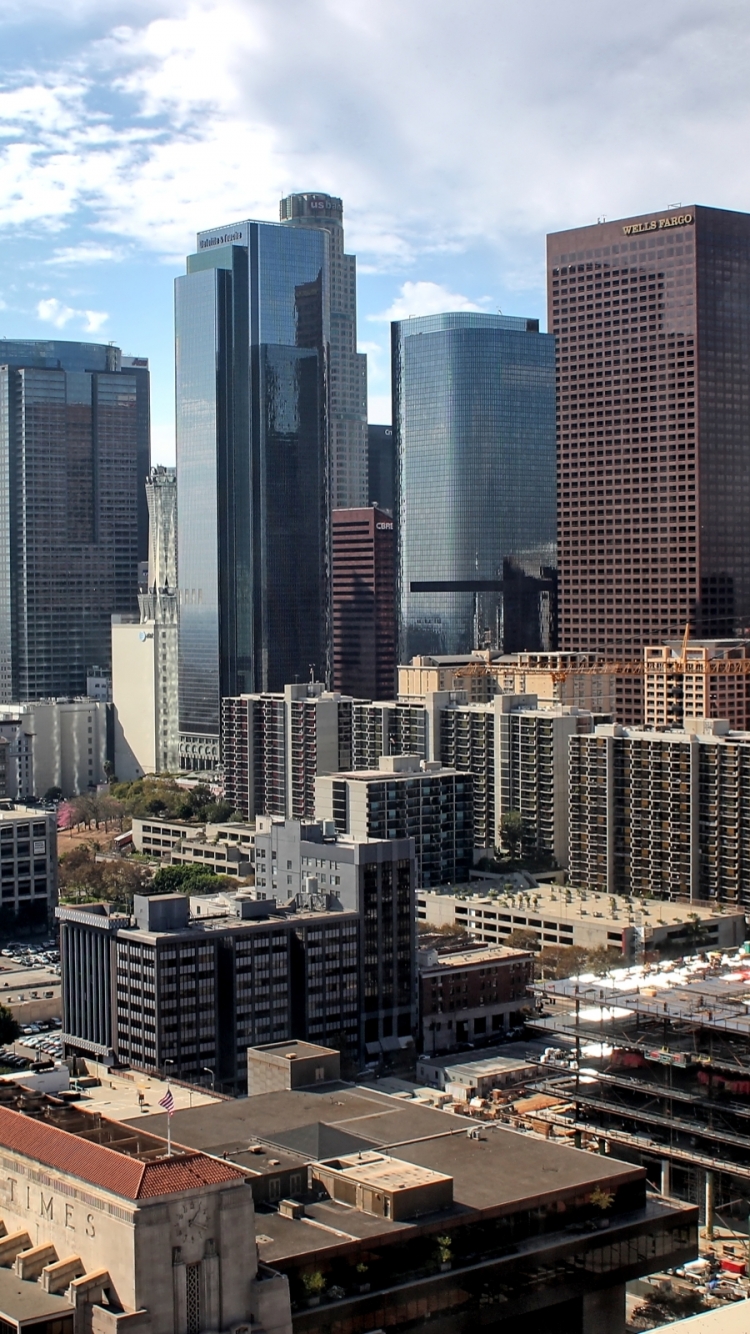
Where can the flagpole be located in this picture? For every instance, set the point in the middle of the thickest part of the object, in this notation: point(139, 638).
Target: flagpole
point(169, 1129)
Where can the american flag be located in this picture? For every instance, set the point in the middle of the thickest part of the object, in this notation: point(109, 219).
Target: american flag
point(167, 1102)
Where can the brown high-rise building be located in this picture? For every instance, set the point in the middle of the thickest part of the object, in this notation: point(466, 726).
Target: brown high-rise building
point(652, 318)
point(364, 603)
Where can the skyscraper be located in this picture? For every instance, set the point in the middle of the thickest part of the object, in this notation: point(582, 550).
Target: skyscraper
point(347, 403)
point(364, 611)
point(144, 649)
point(253, 333)
point(74, 456)
point(652, 319)
point(474, 421)
point(381, 467)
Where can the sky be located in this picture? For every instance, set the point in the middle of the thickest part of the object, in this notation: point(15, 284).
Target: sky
point(458, 133)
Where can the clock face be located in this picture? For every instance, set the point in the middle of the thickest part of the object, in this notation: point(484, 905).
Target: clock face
point(191, 1221)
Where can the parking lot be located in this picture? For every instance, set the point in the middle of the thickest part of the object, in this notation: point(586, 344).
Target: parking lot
point(30, 981)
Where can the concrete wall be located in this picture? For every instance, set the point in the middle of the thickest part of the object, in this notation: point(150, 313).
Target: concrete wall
point(134, 686)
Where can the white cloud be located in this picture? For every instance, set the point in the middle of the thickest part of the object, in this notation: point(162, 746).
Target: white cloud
point(425, 298)
point(88, 252)
point(52, 311)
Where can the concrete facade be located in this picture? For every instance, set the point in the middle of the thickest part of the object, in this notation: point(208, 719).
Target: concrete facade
point(55, 743)
point(563, 915)
point(128, 1237)
point(662, 813)
point(406, 798)
point(28, 862)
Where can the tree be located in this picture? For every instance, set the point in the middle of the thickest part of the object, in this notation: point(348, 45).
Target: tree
point(9, 1027)
point(190, 879)
point(53, 794)
point(522, 939)
point(511, 833)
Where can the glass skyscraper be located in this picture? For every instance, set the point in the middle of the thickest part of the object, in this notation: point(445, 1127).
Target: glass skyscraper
point(347, 392)
point(474, 424)
point(253, 335)
point(74, 457)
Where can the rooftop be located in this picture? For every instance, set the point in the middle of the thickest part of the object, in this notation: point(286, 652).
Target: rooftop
point(469, 958)
point(501, 1172)
point(293, 1049)
point(383, 1172)
point(23, 1300)
point(711, 992)
point(107, 1154)
point(569, 903)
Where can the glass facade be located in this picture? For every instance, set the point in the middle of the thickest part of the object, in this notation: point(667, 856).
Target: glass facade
point(252, 327)
point(474, 425)
point(74, 456)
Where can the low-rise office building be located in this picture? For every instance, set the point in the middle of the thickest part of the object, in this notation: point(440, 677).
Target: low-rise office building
point(105, 1230)
point(28, 864)
point(375, 879)
point(406, 798)
point(563, 915)
point(191, 990)
point(469, 995)
point(406, 1214)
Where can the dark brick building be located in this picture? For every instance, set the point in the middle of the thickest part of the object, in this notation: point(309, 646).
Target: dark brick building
point(364, 593)
point(466, 995)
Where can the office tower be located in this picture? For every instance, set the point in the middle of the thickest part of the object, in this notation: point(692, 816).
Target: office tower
point(374, 877)
point(406, 797)
point(28, 865)
point(363, 564)
point(347, 403)
point(473, 417)
point(74, 444)
point(700, 679)
point(652, 316)
point(381, 455)
point(253, 331)
point(144, 649)
point(662, 813)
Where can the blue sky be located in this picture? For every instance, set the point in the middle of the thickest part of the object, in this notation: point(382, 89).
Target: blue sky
point(457, 131)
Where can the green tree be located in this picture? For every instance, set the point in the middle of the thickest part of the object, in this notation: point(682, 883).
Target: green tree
point(189, 879)
point(522, 939)
point(511, 833)
point(9, 1027)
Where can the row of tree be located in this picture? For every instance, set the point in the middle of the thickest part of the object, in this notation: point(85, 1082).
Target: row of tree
point(85, 877)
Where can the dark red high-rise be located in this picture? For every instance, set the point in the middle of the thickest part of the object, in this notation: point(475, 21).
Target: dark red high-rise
point(652, 319)
point(364, 603)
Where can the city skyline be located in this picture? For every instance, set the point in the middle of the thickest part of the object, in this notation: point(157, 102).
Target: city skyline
point(118, 143)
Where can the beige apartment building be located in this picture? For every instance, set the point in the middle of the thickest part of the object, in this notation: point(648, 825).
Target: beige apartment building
point(555, 678)
point(707, 678)
point(662, 813)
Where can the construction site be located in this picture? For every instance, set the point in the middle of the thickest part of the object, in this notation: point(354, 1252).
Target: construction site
point(652, 1065)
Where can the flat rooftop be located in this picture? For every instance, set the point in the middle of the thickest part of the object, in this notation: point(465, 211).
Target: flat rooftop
point(464, 958)
point(294, 1048)
point(23, 1300)
point(568, 903)
point(501, 1172)
point(384, 1172)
